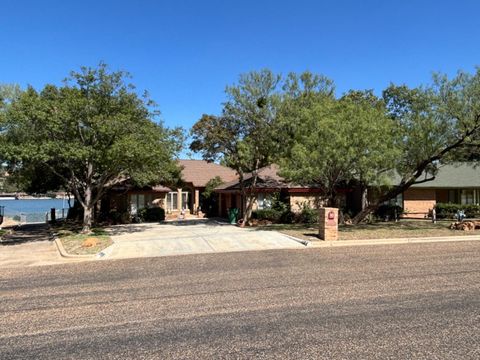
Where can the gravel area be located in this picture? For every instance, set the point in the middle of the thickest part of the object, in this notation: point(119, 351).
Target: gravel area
point(382, 302)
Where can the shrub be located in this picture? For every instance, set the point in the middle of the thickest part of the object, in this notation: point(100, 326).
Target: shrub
point(388, 212)
point(449, 210)
point(151, 214)
point(267, 214)
point(308, 215)
point(287, 217)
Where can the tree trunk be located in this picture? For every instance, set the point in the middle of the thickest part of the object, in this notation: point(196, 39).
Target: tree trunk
point(87, 220)
point(385, 197)
point(88, 203)
point(87, 211)
point(248, 208)
point(251, 197)
point(364, 200)
point(365, 212)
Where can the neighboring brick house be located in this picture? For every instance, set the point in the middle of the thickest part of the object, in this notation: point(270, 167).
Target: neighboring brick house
point(456, 183)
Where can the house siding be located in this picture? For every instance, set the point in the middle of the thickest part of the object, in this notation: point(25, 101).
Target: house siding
point(418, 202)
point(297, 201)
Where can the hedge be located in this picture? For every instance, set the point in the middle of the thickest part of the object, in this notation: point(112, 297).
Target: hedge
point(151, 214)
point(267, 214)
point(449, 210)
point(388, 211)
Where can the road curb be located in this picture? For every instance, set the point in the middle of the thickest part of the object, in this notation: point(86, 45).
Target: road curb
point(305, 243)
point(395, 241)
point(65, 254)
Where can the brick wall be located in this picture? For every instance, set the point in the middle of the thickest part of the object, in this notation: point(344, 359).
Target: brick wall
point(417, 202)
point(297, 200)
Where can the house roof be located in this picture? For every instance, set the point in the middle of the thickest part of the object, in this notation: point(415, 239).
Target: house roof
point(268, 178)
point(199, 172)
point(457, 175)
point(126, 186)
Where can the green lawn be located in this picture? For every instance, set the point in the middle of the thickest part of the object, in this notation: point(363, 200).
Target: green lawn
point(378, 230)
point(72, 240)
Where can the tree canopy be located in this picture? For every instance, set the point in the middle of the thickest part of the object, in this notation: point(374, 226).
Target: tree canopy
point(91, 133)
point(242, 135)
point(336, 141)
point(434, 124)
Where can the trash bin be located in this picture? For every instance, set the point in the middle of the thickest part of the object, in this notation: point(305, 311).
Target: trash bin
point(232, 215)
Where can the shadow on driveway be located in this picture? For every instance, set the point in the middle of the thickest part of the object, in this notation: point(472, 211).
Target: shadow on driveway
point(143, 227)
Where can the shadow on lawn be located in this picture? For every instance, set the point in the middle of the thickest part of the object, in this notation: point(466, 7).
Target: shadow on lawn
point(400, 225)
point(26, 233)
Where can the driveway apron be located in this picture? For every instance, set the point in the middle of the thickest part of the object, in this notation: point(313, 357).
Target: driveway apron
point(150, 240)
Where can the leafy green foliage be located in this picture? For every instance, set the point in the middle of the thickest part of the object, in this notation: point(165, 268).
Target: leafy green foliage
point(307, 215)
point(389, 212)
point(433, 125)
point(334, 141)
point(155, 214)
point(242, 136)
point(211, 185)
point(449, 210)
point(92, 133)
point(267, 214)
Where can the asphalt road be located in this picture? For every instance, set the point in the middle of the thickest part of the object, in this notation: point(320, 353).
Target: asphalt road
point(371, 302)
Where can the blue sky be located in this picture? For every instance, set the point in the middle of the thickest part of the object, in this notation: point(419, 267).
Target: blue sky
point(185, 52)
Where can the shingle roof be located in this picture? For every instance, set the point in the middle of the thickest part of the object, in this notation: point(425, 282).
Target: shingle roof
point(199, 172)
point(458, 175)
point(127, 186)
point(268, 178)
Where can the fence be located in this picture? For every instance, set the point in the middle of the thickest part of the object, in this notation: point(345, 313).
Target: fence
point(39, 217)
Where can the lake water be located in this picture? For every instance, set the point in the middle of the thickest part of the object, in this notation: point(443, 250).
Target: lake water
point(33, 210)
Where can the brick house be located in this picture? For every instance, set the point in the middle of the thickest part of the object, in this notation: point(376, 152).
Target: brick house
point(268, 183)
point(185, 198)
point(456, 183)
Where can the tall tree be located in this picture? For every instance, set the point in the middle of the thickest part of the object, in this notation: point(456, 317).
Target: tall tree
point(335, 141)
point(92, 133)
point(432, 123)
point(242, 135)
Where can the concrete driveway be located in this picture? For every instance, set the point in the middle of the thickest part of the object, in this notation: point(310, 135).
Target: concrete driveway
point(190, 237)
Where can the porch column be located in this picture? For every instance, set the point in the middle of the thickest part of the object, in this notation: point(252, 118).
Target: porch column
point(179, 199)
point(196, 205)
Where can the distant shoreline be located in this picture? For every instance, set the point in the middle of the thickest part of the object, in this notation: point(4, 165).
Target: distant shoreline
point(29, 197)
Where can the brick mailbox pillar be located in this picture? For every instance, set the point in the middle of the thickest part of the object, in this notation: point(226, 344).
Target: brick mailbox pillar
point(328, 220)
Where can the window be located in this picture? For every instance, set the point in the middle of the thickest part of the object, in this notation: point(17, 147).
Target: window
point(172, 201)
point(137, 202)
point(467, 197)
point(264, 201)
point(453, 196)
point(185, 204)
